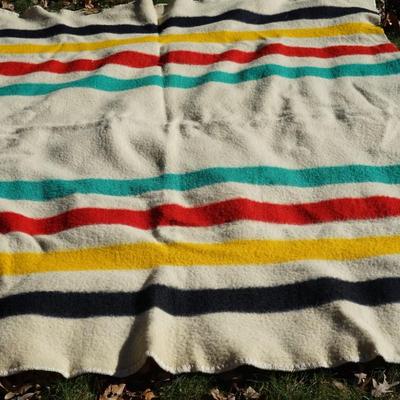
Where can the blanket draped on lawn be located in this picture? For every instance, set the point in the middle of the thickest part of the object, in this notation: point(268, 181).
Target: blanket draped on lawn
point(216, 187)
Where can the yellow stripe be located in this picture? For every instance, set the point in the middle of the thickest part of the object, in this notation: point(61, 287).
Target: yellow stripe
point(234, 253)
point(206, 37)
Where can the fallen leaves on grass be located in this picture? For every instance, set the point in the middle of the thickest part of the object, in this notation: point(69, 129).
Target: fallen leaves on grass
point(24, 392)
point(361, 378)
point(363, 381)
point(149, 395)
point(251, 394)
point(91, 8)
point(391, 21)
point(339, 385)
point(217, 395)
point(113, 392)
point(7, 5)
point(382, 388)
point(246, 394)
point(120, 392)
point(89, 4)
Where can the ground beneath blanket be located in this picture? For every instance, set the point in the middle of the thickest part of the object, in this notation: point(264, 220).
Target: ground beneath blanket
point(350, 382)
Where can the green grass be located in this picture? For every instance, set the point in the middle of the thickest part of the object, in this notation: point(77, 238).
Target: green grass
point(395, 40)
point(336, 384)
point(188, 387)
point(84, 387)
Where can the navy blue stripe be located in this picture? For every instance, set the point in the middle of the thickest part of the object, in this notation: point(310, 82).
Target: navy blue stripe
point(249, 17)
point(179, 302)
point(239, 15)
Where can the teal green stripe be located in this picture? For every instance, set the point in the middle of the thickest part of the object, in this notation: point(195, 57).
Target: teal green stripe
point(106, 83)
point(261, 175)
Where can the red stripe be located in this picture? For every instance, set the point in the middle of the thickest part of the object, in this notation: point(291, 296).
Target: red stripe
point(208, 215)
point(135, 59)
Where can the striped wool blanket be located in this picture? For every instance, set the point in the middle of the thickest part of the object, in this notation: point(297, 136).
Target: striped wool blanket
point(216, 187)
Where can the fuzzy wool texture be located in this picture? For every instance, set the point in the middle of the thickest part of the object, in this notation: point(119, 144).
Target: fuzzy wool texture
point(212, 187)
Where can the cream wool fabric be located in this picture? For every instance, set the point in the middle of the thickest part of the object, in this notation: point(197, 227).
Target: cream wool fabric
point(217, 187)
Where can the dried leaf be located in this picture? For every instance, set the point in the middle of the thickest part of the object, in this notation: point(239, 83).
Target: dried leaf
point(89, 4)
point(250, 394)
point(15, 390)
point(361, 378)
point(391, 21)
point(149, 395)
point(132, 395)
point(339, 385)
point(22, 394)
point(24, 388)
point(27, 396)
point(113, 392)
point(92, 9)
point(380, 389)
point(217, 395)
point(7, 5)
